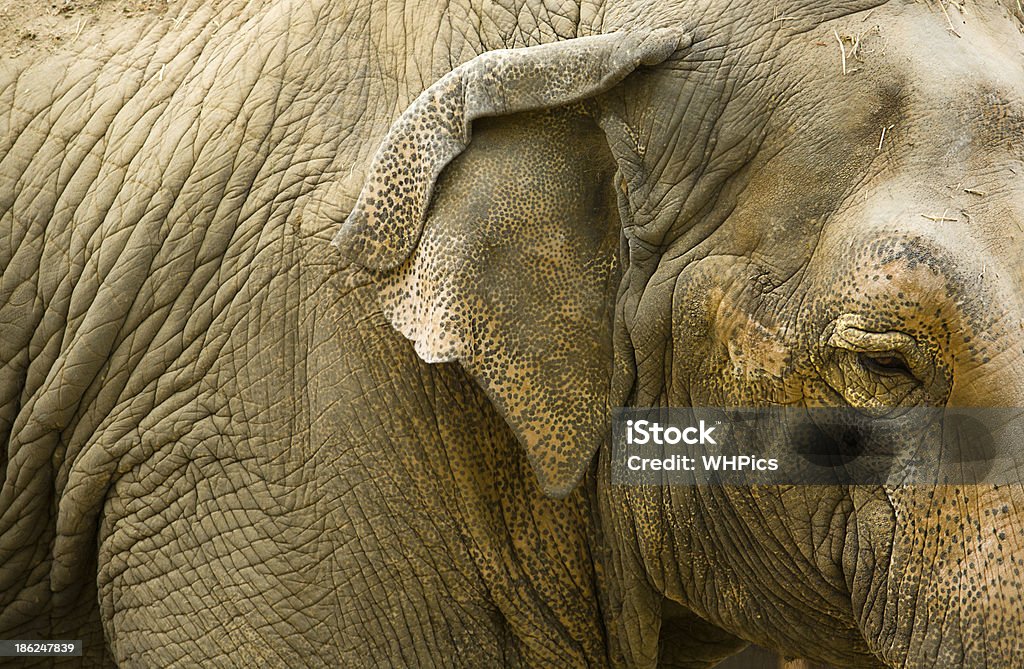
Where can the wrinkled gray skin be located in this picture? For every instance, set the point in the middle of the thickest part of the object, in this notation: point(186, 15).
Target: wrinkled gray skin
point(219, 449)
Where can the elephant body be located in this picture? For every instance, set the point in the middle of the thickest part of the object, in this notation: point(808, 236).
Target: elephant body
point(313, 316)
point(182, 352)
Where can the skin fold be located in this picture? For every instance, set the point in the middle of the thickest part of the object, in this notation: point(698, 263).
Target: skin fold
point(312, 318)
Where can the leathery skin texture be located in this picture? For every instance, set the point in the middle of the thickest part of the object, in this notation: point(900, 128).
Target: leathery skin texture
point(313, 315)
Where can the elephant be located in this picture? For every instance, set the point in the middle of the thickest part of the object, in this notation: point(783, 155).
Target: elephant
point(313, 316)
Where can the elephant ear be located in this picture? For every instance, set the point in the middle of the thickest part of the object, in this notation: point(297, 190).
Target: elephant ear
point(510, 269)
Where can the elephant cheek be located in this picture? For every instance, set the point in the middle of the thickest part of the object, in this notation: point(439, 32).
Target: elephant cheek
point(951, 592)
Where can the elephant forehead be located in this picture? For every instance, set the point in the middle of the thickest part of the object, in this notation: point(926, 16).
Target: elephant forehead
point(814, 110)
point(923, 129)
point(942, 84)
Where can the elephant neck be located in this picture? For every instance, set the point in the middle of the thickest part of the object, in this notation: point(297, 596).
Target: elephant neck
point(644, 626)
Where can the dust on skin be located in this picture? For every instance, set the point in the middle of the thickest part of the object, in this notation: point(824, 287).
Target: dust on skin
point(38, 27)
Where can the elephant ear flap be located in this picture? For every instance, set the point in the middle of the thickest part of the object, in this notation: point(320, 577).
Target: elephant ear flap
point(387, 220)
point(512, 268)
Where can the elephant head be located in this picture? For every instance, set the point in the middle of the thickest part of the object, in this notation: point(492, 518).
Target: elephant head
point(817, 207)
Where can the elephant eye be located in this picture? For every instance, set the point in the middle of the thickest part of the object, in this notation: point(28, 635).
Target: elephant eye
point(875, 370)
point(889, 363)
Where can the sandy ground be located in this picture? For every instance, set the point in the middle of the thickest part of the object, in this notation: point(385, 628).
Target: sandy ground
point(31, 27)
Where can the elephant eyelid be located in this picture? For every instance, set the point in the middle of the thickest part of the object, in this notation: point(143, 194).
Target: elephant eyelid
point(890, 352)
point(888, 363)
